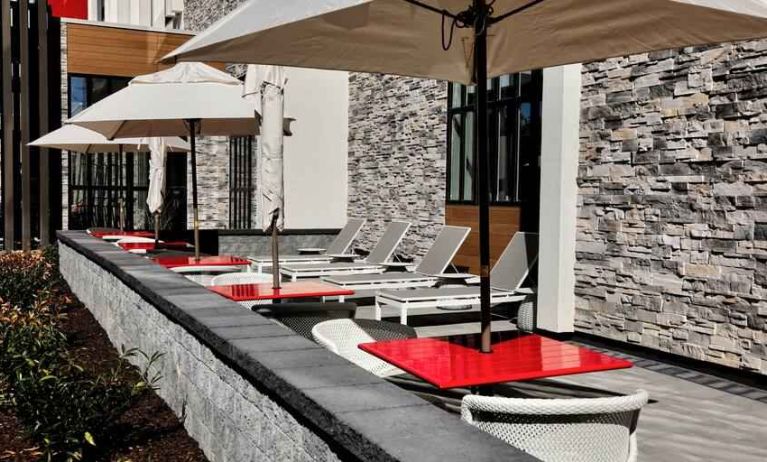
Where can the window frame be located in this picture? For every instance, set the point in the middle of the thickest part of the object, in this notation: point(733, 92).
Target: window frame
point(496, 105)
point(125, 168)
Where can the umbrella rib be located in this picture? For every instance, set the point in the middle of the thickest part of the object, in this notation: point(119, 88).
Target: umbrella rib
point(514, 11)
point(431, 8)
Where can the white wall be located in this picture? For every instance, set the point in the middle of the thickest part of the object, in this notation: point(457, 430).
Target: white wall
point(315, 156)
point(147, 13)
point(559, 195)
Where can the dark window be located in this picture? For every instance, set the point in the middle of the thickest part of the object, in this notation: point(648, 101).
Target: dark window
point(100, 10)
point(105, 187)
point(514, 126)
point(241, 172)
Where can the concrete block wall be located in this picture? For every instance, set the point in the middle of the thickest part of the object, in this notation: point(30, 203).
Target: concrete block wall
point(672, 218)
point(228, 416)
point(252, 390)
point(397, 156)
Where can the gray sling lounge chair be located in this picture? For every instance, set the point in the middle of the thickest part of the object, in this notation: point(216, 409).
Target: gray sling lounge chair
point(340, 245)
point(426, 274)
point(506, 279)
point(374, 263)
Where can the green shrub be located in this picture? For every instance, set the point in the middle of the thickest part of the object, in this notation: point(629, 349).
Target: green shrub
point(70, 411)
point(26, 277)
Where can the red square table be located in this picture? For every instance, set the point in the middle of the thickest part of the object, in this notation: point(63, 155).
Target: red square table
point(177, 261)
point(454, 362)
point(253, 294)
point(116, 234)
point(144, 246)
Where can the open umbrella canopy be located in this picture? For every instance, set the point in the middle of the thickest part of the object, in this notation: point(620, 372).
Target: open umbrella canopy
point(400, 37)
point(161, 104)
point(79, 139)
point(466, 41)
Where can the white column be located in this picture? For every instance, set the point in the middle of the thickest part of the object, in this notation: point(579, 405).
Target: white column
point(559, 195)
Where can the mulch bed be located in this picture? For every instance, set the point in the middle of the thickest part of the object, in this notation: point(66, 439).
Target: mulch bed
point(150, 430)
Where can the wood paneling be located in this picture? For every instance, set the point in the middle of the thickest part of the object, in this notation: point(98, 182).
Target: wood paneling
point(504, 223)
point(113, 51)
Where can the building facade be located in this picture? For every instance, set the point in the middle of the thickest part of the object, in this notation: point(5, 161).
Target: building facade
point(643, 175)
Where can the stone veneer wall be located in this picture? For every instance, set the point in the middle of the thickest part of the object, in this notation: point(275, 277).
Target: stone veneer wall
point(672, 219)
point(397, 156)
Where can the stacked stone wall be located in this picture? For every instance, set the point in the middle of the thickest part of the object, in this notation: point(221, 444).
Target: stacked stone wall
point(397, 151)
point(672, 217)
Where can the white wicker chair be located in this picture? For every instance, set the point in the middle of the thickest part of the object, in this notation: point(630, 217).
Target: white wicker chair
point(231, 279)
point(342, 337)
point(203, 275)
point(566, 430)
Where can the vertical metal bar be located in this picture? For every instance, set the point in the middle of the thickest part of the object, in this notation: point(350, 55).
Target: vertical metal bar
point(26, 159)
point(130, 182)
point(42, 108)
point(231, 177)
point(195, 212)
point(481, 120)
point(8, 127)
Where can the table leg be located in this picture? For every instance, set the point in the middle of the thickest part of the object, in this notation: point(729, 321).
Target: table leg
point(378, 310)
point(342, 299)
point(403, 314)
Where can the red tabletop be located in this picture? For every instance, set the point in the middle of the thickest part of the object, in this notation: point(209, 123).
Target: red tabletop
point(176, 261)
point(172, 245)
point(265, 291)
point(116, 232)
point(454, 362)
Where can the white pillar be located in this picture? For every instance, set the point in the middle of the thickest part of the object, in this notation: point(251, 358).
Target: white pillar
point(559, 195)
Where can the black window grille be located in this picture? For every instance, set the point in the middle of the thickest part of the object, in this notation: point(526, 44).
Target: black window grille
point(515, 112)
point(241, 185)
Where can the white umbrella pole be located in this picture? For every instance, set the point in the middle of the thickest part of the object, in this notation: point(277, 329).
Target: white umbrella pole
point(195, 213)
point(481, 23)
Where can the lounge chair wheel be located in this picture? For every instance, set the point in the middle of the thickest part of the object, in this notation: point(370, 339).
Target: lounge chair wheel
point(526, 314)
point(455, 308)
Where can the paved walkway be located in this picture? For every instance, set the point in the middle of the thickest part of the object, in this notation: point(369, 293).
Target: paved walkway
point(691, 416)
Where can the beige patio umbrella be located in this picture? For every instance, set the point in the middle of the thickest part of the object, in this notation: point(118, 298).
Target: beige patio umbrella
point(188, 99)
point(466, 41)
point(79, 139)
point(265, 88)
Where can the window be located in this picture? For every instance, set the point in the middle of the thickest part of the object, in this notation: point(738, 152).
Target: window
point(101, 10)
point(241, 173)
point(514, 105)
point(105, 187)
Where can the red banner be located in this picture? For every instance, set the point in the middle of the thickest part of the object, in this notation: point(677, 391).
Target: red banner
point(76, 9)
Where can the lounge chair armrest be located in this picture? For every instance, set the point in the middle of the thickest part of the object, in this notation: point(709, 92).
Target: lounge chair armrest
point(525, 291)
point(344, 256)
point(310, 251)
point(458, 278)
point(396, 266)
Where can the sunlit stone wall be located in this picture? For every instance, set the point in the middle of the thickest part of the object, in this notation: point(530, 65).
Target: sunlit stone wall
point(397, 152)
point(672, 221)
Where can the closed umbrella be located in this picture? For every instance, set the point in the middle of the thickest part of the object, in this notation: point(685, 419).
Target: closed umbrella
point(264, 87)
point(188, 99)
point(467, 41)
point(156, 192)
point(79, 139)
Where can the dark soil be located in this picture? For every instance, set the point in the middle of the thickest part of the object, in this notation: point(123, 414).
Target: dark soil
point(150, 431)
